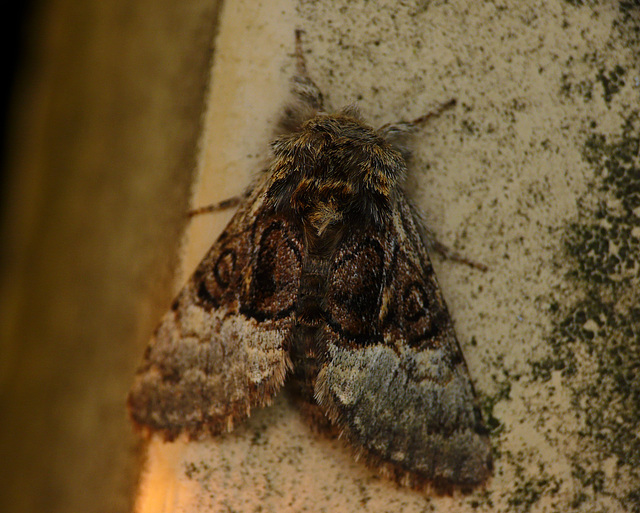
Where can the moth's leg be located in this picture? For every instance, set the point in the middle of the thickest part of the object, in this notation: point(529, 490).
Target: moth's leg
point(303, 87)
point(398, 134)
point(449, 253)
point(234, 201)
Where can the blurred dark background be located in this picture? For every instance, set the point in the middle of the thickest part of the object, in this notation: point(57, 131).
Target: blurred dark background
point(101, 110)
point(14, 22)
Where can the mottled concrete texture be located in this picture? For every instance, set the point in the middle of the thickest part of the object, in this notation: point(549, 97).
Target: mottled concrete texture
point(535, 172)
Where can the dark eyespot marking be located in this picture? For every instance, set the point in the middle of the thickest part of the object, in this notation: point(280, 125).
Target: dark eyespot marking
point(275, 279)
point(354, 295)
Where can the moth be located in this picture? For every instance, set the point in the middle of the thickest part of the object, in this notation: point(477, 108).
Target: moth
point(322, 278)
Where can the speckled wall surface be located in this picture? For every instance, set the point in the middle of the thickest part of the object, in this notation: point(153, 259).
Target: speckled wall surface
point(534, 173)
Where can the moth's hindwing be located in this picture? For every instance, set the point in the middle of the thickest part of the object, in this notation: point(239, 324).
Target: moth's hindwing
point(223, 346)
point(394, 378)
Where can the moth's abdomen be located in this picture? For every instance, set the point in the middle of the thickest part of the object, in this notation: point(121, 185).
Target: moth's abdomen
point(313, 287)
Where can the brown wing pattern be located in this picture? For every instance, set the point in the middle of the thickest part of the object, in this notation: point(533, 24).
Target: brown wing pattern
point(394, 378)
point(223, 346)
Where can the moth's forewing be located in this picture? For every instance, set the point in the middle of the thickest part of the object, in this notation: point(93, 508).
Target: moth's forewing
point(222, 348)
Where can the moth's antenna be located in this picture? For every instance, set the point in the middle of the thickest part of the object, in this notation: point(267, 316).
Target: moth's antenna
point(303, 87)
point(436, 112)
point(301, 63)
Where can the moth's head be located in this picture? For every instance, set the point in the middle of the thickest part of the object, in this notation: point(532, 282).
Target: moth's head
point(336, 163)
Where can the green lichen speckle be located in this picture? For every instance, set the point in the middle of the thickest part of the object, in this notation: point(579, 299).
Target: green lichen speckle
point(502, 381)
point(611, 81)
point(528, 492)
point(629, 22)
point(595, 341)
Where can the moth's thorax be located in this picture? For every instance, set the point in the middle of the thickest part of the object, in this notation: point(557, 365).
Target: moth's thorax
point(335, 170)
